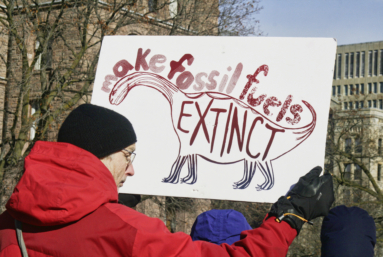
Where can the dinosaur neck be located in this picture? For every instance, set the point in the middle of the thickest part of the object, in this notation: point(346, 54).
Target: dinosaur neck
point(124, 85)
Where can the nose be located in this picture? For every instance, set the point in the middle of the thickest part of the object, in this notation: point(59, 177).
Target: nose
point(130, 170)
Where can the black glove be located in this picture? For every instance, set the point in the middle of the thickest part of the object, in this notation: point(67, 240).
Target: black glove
point(129, 199)
point(310, 198)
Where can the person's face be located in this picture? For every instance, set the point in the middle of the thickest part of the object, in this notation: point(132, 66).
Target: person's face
point(119, 164)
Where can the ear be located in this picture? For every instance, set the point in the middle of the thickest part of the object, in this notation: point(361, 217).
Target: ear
point(107, 160)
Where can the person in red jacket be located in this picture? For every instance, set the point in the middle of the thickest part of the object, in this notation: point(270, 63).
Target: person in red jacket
point(66, 203)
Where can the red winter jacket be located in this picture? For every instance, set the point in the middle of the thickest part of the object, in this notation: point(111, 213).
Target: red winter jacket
point(67, 202)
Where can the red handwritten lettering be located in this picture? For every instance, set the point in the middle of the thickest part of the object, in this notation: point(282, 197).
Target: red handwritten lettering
point(184, 80)
point(273, 132)
point(201, 122)
point(158, 58)
point(122, 68)
point(249, 136)
point(182, 114)
point(140, 61)
point(105, 85)
point(235, 127)
point(257, 101)
point(253, 78)
point(271, 101)
point(213, 84)
point(234, 78)
point(218, 111)
point(178, 67)
point(295, 110)
point(285, 106)
point(226, 129)
point(200, 83)
point(223, 83)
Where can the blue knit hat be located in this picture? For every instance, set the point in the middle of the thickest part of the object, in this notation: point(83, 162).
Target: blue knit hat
point(219, 226)
point(348, 232)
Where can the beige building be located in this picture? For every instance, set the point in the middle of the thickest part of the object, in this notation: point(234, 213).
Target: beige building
point(356, 116)
point(358, 76)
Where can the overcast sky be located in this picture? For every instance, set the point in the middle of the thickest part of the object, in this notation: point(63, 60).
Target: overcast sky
point(349, 21)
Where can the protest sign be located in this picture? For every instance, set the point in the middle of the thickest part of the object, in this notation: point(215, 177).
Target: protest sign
point(236, 118)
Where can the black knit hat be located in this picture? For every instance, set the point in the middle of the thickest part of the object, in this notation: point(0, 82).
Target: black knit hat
point(97, 129)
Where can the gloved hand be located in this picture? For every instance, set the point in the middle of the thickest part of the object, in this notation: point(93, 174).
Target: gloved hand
point(310, 198)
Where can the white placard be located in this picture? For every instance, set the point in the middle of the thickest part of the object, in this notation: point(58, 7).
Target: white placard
point(235, 118)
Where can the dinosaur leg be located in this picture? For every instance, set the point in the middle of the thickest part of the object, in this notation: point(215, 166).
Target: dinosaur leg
point(191, 178)
point(267, 171)
point(176, 170)
point(249, 170)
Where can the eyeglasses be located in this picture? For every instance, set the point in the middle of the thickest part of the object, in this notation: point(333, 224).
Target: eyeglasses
point(130, 157)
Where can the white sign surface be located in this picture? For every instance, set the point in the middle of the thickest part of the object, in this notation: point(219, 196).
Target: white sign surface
point(235, 118)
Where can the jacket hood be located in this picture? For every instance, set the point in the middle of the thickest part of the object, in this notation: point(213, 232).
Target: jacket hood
point(61, 183)
point(348, 231)
point(219, 226)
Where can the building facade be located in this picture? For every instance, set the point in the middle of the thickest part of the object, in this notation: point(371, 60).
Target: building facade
point(356, 120)
point(33, 65)
point(358, 76)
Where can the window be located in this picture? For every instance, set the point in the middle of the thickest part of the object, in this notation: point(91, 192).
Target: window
point(348, 144)
point(358, 145)
point(369, 103)
point(346, 65)
point(338, 89)
point(345, 89)
point(339, 65)
point(357, 64)
point(375, 62)
point(362, 89)
point(381, 87)
point(356, 105)
point(379, 175)
point(361, 104)
point(351, 89)
point(334, 71)
point(379, 146)
point(351, 65)
point(346, 195)
point(375, 104)
point(357, 89)
point(380, 104)
point(357, 172)
point(362, 57)
point(345, 105)
point(375, 87)
point(369, 63)
point(370, 88)
point(38, 62)
point(381, 62)
point(33, 107)
point(350, 105)
point(347, 171)
point(173, 8)
point(44, 59)
point(333, 91)
point(47, 58)
point(152, 5)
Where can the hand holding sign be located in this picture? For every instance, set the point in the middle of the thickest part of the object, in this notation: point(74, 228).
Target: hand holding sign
point(310, 198)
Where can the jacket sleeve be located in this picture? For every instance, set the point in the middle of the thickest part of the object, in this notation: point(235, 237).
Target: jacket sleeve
point(270, 239)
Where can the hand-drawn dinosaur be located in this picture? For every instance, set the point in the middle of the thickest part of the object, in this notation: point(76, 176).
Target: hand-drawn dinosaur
point(260, 140)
